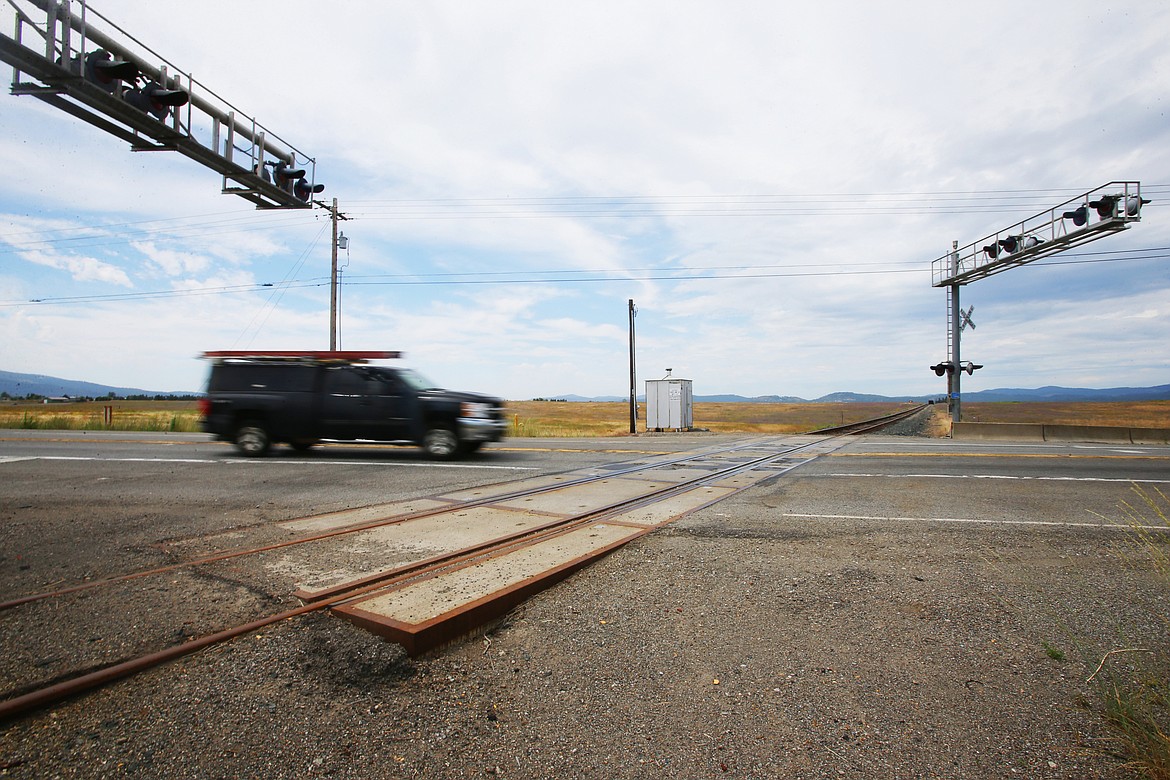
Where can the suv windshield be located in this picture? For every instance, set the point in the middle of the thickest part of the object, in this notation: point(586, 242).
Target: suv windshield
point(416, 380)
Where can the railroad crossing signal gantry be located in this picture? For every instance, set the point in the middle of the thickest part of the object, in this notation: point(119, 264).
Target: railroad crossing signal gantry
point(1095, 214)
point(110, 80)
point(1100, 212)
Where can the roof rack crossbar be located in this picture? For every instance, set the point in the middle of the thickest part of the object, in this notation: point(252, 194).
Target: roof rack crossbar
point(299, 355)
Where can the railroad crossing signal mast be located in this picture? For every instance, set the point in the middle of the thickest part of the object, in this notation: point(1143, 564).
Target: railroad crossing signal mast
point(111, 81)
point(1100, 212)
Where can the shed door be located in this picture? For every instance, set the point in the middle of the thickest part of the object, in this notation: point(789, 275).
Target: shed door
point(674, 408)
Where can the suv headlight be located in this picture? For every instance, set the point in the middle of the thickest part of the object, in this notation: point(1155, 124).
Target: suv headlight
point(475, 410)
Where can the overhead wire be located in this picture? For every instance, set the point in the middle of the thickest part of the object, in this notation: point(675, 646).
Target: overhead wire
point(801, 204)
point(567, 276)
point(277, 295)
point(127, 233)
point(823, 204)
point(557, 206)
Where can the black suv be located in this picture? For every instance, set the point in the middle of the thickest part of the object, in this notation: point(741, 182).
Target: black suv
point(257, 399)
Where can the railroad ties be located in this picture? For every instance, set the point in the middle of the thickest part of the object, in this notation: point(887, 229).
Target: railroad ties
point(427, 572)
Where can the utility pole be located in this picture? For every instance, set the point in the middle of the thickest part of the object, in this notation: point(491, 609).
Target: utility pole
point(956, 362)
point(633, 373)
point(336, 215)
point(953, 395)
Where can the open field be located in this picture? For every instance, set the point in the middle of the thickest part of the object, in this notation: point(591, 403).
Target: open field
point(558, 419)
point(1136, 414)
point(548, 418)
point(176, 416)
point(544, 418)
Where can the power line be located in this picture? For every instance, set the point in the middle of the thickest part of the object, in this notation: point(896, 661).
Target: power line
point(802, 204)
point(567, 276)
point(567, 207)
point(260, 316)
point(101, 235)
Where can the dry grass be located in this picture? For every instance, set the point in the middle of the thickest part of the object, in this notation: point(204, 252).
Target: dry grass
point(552, 419)
point(1135, 414)
point(179, 416)
point(549, 418)
point(1136, 691)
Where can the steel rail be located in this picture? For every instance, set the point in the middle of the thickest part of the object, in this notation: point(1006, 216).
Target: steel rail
point(401, 518)
point(39, 698)
point(864, 426)
point(562, 525)
point(357, 528)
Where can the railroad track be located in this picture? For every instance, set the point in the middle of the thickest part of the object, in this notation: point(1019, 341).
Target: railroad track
point(496, 545)
point(876, 424)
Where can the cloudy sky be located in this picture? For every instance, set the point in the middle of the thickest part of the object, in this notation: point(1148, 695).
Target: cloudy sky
point(768, 181)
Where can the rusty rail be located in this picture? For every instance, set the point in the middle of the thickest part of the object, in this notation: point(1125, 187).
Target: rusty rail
point(39, 698)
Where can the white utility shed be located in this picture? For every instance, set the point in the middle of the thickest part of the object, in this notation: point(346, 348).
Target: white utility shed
point(669, 405)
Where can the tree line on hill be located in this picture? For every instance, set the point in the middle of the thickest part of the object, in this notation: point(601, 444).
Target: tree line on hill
point(6, 396)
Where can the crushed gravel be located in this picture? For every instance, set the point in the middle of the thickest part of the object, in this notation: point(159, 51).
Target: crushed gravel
point(930, 422)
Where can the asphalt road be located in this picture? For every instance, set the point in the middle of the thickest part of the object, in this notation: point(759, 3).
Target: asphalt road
point(875, 612)
point(1004, 482)
point(930, 478)
point(99, 504)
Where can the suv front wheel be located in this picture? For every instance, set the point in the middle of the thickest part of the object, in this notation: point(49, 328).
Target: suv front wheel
point(441, 443)
point(252, 440)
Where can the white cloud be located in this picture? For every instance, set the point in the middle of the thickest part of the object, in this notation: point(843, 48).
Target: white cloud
point(81, 269)
point(764, 139)
point(171, 263)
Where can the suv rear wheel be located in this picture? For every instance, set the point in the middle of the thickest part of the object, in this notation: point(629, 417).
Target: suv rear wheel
point(442, 443)
point(252, 439)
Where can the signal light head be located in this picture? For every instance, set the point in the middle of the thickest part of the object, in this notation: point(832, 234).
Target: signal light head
point(1079, 216)
point(991, 250)
point(946, 367)
point(304, 190)
point(155, 99)
point(1106, 206)
point(284, 174)
point(1133, 205)
point(1018, 243)
point(103, 70)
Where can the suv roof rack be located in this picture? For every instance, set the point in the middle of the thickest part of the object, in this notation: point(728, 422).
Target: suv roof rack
point(298, 355)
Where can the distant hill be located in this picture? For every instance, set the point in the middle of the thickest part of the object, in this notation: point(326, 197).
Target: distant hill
point(1067, 394)
point(1049, 394)
point(759, 399)
point(866, 398)
point(21, 385)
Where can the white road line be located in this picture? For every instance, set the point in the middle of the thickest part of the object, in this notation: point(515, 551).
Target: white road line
point(1112, 526)
point(992, 476)
point(122, 460)
point(278, 462)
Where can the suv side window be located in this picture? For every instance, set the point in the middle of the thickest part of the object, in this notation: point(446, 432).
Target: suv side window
point(244, 377)
point(348, 382)
point(391, 384)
